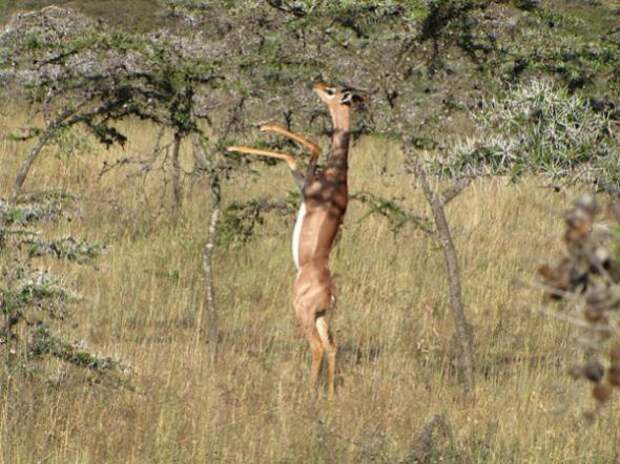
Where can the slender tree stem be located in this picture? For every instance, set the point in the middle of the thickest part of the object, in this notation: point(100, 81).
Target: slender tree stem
point(463, 328)
point(176, 171)
point(210, 310)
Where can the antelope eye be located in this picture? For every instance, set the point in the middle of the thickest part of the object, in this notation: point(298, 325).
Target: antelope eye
point(330, 91)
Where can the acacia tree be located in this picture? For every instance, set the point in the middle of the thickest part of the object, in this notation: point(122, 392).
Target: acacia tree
point(76, 72)
point(534, 128)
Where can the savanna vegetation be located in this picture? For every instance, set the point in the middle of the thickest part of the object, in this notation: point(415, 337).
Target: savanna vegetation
point(146, 274)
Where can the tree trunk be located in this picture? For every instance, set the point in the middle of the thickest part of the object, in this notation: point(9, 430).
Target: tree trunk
point(210, 310)
point(24, 169)
point(176, 171)
point(463, 328)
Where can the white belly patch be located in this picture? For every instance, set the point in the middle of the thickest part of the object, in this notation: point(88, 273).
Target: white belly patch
point(297, 233)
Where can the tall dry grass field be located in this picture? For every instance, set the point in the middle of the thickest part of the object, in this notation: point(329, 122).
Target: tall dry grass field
point(397, 357)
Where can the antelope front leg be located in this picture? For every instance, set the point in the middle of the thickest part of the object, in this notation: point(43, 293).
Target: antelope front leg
point(315, 150)
point(331, 368)
point(288, 158)
point(327, 340)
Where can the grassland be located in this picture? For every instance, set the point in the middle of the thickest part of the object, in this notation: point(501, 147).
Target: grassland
point(393, 326)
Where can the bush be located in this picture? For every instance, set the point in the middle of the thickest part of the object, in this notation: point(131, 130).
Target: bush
point(537, 128)
point(33, 301)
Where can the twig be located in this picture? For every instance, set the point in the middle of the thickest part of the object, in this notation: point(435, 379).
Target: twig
point(453, 191)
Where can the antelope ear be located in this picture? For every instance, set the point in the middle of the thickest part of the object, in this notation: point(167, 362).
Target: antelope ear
point(349, 98)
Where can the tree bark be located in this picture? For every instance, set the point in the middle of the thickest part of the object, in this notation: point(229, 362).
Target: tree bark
point(176, 171)
point(209, 316)
point(210, 310)
point(463, 328)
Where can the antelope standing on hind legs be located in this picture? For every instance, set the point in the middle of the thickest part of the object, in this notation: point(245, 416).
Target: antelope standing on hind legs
point(325, 198)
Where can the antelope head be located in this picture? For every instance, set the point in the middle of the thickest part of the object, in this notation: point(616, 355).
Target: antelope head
point(339, 101)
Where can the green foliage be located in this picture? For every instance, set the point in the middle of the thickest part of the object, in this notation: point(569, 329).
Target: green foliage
point(227, 58)
point(240, 219)
point(106, 134)
point(68, 248)
point(26, 290)
point(77, 72)
point(44, 342)
point(185, 4)
point(442, 14)
point(392, 211)
point(71, 142)
point(30, 212)
point(526, 4)
point(119, 13)
point(577, 63)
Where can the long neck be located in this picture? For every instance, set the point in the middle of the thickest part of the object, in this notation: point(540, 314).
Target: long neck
point(337, 164)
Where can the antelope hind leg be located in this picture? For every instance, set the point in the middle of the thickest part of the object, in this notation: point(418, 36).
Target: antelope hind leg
point(329, 345)
point(317, 349)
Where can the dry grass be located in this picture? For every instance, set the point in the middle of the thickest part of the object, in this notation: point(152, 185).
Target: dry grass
point(393, 326)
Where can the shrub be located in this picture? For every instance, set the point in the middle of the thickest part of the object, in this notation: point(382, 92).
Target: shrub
point(35, 302)
point(537, 128)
